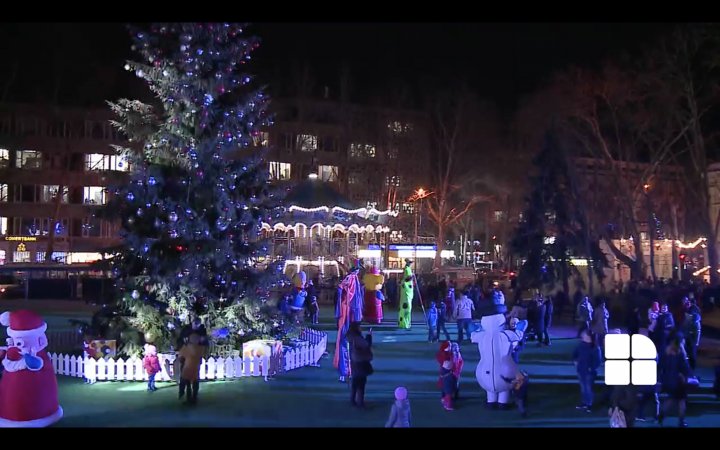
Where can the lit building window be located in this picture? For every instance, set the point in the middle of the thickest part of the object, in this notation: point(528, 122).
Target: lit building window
point(94, 195)
point(279, 170)
point(362, 151)
point(392, 181)
point(262, 139)
point(408, 208)
point(91, 227)
point(28, 159)
point(354, 178)
point(398, 128)
point(372, 205)
point(50, 192)
point(499, 216)
point(3, 192)
point(328, 173)
point(392, 152)
point(4, 158)
point(307, 142)
point(3, 225)
point(97, 161)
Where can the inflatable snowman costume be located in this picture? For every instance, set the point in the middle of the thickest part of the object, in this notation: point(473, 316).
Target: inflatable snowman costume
point(496, 369)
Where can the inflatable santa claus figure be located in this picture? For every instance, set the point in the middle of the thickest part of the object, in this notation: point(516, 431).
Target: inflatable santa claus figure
point(28, 388)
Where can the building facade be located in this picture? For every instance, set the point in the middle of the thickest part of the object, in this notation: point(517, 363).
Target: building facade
point(55, 167)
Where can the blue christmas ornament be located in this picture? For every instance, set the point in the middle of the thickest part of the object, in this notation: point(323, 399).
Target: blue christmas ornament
point(222, 333)
point(130, 196)
point(152, 181)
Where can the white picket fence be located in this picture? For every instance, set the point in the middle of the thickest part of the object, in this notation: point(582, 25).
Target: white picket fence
point(210, 369)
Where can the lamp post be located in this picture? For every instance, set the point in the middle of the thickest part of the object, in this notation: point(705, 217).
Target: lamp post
point(651, 230)
point(419, 195)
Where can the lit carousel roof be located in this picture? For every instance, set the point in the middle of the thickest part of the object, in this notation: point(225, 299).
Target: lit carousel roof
point(301, 228)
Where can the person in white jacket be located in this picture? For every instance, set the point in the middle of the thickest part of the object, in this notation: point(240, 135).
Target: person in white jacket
point(463, 314)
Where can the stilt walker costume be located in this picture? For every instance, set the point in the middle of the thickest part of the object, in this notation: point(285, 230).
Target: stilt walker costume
point(349, 309)
point(407, 287)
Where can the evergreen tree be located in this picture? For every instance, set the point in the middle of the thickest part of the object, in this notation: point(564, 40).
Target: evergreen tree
point(199, 190)
point(554, 227)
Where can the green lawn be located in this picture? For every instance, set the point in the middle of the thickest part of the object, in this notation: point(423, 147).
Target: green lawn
point(313, 397)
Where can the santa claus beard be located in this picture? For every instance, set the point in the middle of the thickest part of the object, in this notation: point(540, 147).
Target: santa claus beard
point(14, 366)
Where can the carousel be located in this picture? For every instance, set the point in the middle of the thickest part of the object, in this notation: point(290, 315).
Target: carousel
point(321, 231)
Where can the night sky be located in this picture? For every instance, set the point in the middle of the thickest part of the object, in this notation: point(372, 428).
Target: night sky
point(502, 61)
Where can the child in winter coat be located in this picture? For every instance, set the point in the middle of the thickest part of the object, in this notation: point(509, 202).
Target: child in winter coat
point(151, 363)
point(192, 354)
point(432, 318)
point(400, 412)
point(458, 363)
point(442, 316)
point(449, 385)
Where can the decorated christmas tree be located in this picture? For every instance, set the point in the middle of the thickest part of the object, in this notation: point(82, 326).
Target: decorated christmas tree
point(198, 189)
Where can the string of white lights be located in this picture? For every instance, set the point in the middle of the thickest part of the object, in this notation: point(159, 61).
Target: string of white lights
point(359, 211)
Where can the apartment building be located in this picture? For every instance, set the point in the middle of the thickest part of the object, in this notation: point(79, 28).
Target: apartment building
point(55, 167)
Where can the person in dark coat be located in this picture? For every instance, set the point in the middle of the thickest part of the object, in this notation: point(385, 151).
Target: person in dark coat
point(540, 312)
point(577, 299)
point(632, 322)
point(442, 288)
point(693, 330)
point(532, 318)
point(311, 302)
point(442, 316)
point(549, 308)
point(673, 374)
point(648, 393)
point(360, 362)
point(664, 325)
point(586, 357)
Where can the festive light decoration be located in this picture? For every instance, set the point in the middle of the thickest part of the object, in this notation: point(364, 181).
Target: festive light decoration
point(702, 271)
point(694, 244)
point(301, 229)
point(362, 212)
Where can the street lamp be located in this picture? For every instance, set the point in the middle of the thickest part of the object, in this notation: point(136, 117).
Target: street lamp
point(419, 195)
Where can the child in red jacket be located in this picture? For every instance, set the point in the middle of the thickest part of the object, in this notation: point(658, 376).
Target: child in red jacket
point(151, 363)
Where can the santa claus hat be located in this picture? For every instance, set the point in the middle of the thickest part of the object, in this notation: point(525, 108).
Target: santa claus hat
point(22, 323)
point(445, 346)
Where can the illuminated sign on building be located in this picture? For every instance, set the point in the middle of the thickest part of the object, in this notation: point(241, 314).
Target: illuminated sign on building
point(21, 238)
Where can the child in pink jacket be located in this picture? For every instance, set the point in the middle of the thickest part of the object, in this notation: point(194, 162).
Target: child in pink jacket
point(151, 363)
